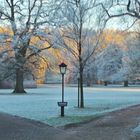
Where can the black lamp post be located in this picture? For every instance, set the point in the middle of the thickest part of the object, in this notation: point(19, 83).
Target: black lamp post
point(63, 68)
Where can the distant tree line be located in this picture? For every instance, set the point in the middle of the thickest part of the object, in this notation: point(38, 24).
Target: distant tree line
point(116, 61)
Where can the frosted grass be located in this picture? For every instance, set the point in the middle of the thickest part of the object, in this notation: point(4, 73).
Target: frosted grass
point(41, 103)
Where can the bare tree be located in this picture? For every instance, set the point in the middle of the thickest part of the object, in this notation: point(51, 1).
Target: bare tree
point(122, 9)
point(79, 35)
point(109, 62)
point(26, 21)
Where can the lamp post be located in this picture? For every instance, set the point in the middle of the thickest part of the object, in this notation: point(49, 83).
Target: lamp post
point(63, 68)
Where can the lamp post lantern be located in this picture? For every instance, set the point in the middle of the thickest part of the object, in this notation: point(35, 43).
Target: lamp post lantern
point(62, 104)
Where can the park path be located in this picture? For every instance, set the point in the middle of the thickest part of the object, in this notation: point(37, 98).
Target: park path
point(17, 128)
point(117, 125)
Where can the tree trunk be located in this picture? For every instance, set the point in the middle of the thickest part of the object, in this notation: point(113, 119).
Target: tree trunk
point(88, 80)
point(81, 89)
point(88, 84)
point(126, 83)
point(105, 83)
point(19, 87)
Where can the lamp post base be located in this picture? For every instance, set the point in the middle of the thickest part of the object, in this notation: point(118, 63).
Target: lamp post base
point(62, 105)
point(62, 111)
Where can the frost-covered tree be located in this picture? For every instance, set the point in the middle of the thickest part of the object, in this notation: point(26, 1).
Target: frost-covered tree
point(129, 70)
point(73, 63)
point(123, 74)
point(134, 57)
point(118, 8)
point(90, 73)
point(77, 28)
point(28, 23)
point(127, 11)
point(109, 62)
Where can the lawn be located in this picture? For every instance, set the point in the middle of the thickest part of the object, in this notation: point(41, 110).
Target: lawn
point(41, 103)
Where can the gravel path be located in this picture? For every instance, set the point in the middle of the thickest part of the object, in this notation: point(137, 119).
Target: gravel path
point(117, 125)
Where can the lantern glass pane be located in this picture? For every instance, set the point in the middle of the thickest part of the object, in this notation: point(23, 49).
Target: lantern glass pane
point(63, 70)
